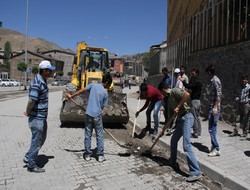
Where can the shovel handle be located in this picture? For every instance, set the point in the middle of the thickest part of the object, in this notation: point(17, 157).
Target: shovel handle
point(168, 124)
point(133, 131)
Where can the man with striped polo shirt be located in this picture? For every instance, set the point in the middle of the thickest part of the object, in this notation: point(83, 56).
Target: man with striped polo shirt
point(37, 111)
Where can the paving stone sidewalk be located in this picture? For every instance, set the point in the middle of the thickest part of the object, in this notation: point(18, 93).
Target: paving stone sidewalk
point(231, 168)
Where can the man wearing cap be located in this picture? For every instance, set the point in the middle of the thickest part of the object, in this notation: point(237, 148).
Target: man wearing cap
point(37, 111)
point(177, 82)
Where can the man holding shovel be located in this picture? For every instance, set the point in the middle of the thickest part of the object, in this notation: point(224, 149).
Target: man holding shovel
point(98, 98)
point(184, 122)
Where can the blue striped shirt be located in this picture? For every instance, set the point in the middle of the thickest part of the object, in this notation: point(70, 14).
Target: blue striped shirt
point(38, 91)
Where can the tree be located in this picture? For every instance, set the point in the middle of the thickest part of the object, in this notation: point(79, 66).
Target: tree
point(70, 74)
point(34, 70)
point(60, 73)
point(7, 53)
point(21, 67)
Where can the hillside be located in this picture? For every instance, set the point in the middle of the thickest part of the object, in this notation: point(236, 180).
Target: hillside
point(17, 41)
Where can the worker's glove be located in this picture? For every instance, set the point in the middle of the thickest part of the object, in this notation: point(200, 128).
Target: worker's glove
point(237, 99)
point(136, 114)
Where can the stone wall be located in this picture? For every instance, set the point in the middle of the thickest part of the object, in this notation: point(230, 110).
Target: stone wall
point(231, 62)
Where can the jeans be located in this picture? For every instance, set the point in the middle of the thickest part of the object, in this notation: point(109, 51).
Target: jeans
point(39, 132)
point(183, 128)
point(90, 124)
point(212, 127)
point(154, 105)
point(195, 110)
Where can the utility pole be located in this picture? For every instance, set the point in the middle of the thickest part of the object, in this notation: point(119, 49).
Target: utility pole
point(26, 44)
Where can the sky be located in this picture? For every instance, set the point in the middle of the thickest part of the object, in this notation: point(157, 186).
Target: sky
point(124, 27)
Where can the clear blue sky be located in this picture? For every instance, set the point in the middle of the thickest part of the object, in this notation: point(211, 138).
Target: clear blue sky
point(124, 27)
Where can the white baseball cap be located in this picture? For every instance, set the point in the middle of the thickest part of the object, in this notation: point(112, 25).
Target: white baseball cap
point(46, 65)
point(177, 70)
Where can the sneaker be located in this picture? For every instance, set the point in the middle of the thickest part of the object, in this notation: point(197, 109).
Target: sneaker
point(87, 157)
point(243, 135)
point(234, 133)
point(214, 153)
point(25, 160)
point(193, 178)
point(155, 132)
point(36, 169)
point(101, 158)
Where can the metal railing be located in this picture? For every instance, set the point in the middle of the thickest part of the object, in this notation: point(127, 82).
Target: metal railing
point(224, 23)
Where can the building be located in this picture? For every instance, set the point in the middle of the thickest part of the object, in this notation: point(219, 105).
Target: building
point(33, 60)
point(66, 57)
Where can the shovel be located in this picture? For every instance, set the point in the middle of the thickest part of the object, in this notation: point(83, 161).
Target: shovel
point(133, 131)
point(167, 125)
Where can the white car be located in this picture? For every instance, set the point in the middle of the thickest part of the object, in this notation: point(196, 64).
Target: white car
point(6, 82)
point(15, 82)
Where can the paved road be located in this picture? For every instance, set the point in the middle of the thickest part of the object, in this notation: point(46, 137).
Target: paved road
point(62, 159)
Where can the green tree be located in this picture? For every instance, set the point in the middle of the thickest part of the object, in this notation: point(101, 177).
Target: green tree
point(21, 67)
point(60, 73)
point(35, 70)
point(7, 54)
point(70, 74)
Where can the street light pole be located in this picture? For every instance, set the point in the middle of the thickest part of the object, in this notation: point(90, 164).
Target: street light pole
point(26, 43)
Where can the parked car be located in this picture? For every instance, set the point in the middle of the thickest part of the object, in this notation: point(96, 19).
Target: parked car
point(6, 82)
point(56, 82)
point(15, 82)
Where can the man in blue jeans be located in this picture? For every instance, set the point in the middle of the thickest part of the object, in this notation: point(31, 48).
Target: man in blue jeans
point(184, 122)
point(37, 111)
point(98, 98)
point(215, 94)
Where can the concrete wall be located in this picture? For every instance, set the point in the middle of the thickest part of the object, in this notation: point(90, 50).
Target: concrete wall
point(231, 63)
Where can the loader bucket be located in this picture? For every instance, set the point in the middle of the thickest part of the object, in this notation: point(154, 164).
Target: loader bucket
point(115, 112)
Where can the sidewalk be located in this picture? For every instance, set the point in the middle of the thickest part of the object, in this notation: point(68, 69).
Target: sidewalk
point(231, 168)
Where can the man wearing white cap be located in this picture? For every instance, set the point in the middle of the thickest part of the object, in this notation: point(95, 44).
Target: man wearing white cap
point(177, 75)
point(37, 111)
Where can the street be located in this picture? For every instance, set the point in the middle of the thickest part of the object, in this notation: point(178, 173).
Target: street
point(62, 158)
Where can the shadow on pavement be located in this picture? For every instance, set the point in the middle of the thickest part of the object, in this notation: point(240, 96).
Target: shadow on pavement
point(42, 160)
point(73, 150)
point(247, 153)
point(165, 162)
point(227, 132)
point(201, 147)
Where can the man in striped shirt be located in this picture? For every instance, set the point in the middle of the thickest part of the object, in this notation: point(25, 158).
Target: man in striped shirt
point(37, 111)
point(243, 117)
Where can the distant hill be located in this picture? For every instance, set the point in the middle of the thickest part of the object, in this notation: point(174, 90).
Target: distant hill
point(17, 41)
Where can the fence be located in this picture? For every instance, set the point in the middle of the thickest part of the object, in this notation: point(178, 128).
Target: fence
point(223, 23)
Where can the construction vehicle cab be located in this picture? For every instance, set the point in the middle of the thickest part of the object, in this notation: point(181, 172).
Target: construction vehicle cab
point(90, 64)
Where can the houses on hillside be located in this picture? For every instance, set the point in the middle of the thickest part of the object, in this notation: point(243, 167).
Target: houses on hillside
point(62, 60)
